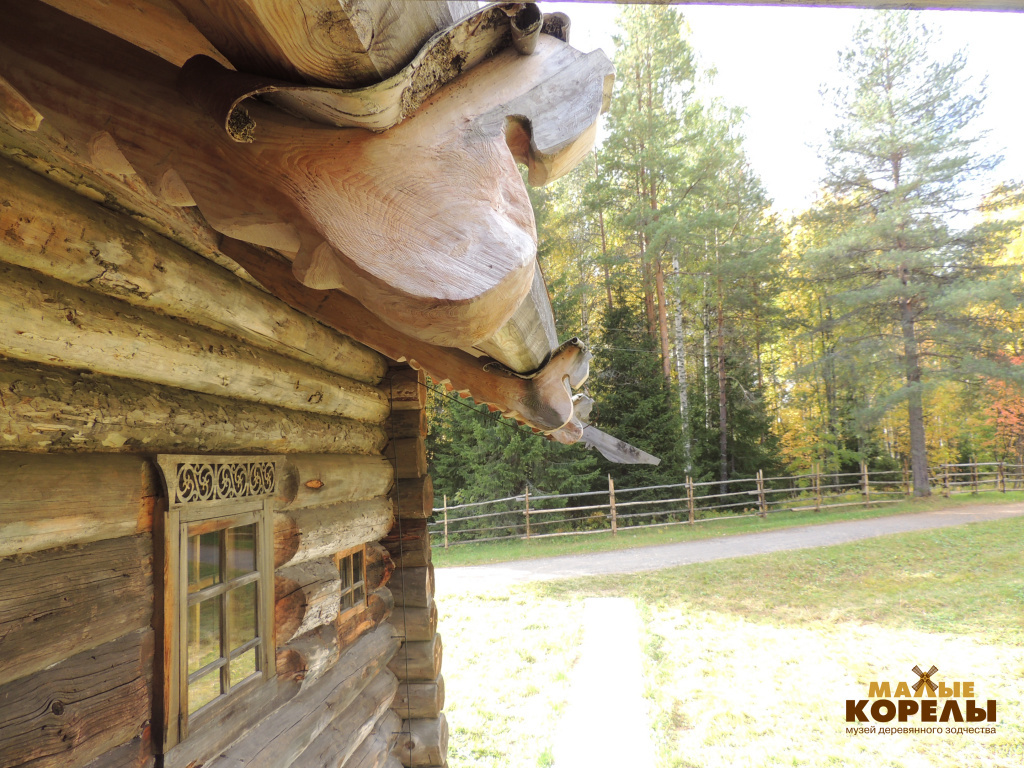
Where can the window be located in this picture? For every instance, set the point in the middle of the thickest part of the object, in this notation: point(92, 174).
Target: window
point(351, 564)
point(218, 591)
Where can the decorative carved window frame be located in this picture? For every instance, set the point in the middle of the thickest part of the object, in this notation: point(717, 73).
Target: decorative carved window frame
point(213, 493)
point(346, 559)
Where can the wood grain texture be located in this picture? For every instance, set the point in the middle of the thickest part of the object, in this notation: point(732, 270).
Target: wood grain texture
point(406, 388)
point(379, 566)
point(61, 602)
point(423, 742)
point(44, 409)
point(81, 708)
point(51, 230)
point(406, 423)
point(418, 661)
point(319, 532)
point(16, 109)
point(310, 480)
point(375, 750)
point(306, 596)
point(50, 322)
point(413, 587)
point(290, 730)
point(54, 501)
point(409, 457)
point(354, 624)
point(415, 624)
point(420, 700)
point(414, 497)
point(408, 541)
point(336, 743)
point(137, 753)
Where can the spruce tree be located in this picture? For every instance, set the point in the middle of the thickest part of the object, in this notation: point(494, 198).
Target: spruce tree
point(913, 291)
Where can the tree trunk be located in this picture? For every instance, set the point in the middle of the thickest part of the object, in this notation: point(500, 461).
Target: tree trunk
point(915, 404)
point(666, 368)
point(723, 415)
point(680, 353)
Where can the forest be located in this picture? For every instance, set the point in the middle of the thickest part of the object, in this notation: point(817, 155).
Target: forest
point(881, 325)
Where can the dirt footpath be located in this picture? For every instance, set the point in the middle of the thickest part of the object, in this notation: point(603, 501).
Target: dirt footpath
point(482, 578)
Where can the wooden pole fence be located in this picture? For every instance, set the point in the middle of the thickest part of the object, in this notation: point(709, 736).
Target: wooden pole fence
point(611, 505)
point(446, 521)
point(689, 497)
point(527, 511)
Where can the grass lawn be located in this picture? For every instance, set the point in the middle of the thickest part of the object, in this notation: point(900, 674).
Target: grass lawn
point(749, 661)
point(520, 549)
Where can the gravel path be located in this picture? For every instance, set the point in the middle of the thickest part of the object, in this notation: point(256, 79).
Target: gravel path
point(482, 578)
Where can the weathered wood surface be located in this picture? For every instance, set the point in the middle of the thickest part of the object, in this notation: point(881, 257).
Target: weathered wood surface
point(418, 661)
point(354, 624)
point(108, 252)
point(336, 743)
point(318, 41)
point(308, 534)
point(379, 566)
point(415, 624)
point(406, 388)
point(16, 109)
point(79, 709)
point(137, 753)
point(47, 321)
point(291, 729)
point(420, 700)
point(61, 602)
point(53, 501)
point(306, 596)
point(375, 750)
point(52, 410)
point(526, 341)
point(423, 743)
point(409, 456)
point(414, 497)
point(409, 543)
point(318, 480)
point(413, 587)
point(406, 423)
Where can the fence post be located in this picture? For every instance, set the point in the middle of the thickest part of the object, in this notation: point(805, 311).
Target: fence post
point(945, 480)
point(527, 511)
point(864, 479)
point(689, 496)
point(611, 504)
point(817, 486)
point(1002, 478)
point(974, 475)
point(446, 521)
point(760, 494)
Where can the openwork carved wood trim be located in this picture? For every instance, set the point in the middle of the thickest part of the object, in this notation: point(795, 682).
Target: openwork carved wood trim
point(214, 479)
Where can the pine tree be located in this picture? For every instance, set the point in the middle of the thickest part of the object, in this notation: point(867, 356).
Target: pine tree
point(918, 290)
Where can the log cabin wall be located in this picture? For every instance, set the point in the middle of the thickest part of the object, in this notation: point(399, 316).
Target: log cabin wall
point(116, 345)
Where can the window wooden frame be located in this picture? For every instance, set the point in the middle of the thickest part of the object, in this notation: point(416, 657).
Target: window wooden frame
point(207, 494)
point(346, 560)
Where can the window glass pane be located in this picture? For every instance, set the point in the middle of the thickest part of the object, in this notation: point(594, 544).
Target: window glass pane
point(357, 566)
point(204, 690)
point(242, 667)
point(346, 600)
point(241, 548)
point(346, 572)
point(203, 561)
point(203, 634)
point(360, 594)
point(242, 613)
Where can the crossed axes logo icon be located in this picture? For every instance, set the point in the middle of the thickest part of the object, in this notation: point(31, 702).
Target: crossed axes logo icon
point(926, 679)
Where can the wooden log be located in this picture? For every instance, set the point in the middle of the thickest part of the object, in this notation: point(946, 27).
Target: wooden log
point(291, 729)
point(423, 743)
point(52, 501)
point(409, 456)
point(107, 252)
point(322, 480)
point(406, 388)
point(81, 708)
point(420, 700)
point(413, 587)
point(137, 753)
point(414, 497)
point(307, 658)
point(376, 748)
point(379, 566)
point(306, 596)
point(61, 602)
point(526, 341)
point(416, 624)
point(51, 322)
point(418, 661)
point(308, 534)
point(408, 541)
point(354, 624)
point(16, 109)
point(54, 410)
point(336, 743)
point(406, 423)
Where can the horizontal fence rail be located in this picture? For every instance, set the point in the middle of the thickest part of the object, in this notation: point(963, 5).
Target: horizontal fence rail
point(535, 516)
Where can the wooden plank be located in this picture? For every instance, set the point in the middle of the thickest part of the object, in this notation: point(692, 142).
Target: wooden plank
point(52, 501)
point(55, 410)
point(291, 729)
point(61, 602)
point(414, 497)
point(335, 745)
point(322, 480)
point(308, 534)
point(409, 456)
point(81, 708)
point(107, 252)
point(423, 743)
point(418, 661)
point(47, 321)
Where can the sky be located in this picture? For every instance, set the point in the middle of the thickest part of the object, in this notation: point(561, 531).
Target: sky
point(773, 62)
